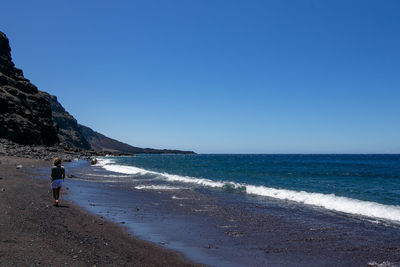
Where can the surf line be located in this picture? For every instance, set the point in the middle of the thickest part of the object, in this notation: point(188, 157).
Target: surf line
point(326, 201)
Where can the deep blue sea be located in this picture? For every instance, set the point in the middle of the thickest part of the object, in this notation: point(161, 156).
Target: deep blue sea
point(361, 185)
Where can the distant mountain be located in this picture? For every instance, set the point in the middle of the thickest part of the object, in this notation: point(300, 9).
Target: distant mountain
point(101, 142)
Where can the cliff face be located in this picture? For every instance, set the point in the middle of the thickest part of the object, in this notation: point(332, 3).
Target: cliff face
point(69, 132)
point(25, 114)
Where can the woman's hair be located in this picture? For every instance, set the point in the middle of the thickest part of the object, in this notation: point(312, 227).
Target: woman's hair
point(56, 161)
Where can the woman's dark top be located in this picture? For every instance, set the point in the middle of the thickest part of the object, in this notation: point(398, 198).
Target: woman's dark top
point(57, 172)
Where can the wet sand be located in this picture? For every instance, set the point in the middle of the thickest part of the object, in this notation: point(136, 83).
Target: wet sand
point(33, 232)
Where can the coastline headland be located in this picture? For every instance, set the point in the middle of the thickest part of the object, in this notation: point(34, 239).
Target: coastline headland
point(29, 116)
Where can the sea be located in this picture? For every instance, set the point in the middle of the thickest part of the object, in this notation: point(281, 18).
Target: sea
point(362, 185)
point(250, 210)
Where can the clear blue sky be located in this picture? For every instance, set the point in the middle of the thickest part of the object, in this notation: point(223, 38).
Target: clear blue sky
point(219, 76)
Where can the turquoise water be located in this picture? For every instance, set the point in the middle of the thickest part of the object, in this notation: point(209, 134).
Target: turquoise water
point(367, 185)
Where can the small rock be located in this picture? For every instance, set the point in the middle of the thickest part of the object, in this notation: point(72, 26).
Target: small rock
point(3, 189)
point(122, 222)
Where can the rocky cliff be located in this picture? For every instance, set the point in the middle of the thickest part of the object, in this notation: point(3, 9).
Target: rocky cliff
point(69, 132)
point(25, 114)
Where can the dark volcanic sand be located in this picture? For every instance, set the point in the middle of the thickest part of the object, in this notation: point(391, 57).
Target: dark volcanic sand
point(222, 228)
point(33, 232)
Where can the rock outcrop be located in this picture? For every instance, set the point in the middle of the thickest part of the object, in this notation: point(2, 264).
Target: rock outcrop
point(25, 114)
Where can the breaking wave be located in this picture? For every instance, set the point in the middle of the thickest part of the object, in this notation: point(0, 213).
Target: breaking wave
point(326, 201)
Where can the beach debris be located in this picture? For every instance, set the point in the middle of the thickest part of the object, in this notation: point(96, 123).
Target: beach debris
point(98, 222)
point(91, 204)
point(19, 166)
point(1, 178)
point(93, 161)
point(137, 209)
point(275, 250)
point(235, 233)
point(225, 226)
point(71, 176)
point(383, 264)
point(3, 189)
point(199, 210)
point(210, 246)
point(122, 222)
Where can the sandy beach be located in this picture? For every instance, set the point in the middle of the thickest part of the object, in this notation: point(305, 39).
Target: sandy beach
point(33, 232)
point(113, 224)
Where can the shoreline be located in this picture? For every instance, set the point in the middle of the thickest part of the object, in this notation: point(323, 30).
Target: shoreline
point(172, 227)
point(35, 232)
point(221, 228)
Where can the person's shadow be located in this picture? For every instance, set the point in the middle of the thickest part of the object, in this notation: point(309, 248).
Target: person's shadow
point(61, 206)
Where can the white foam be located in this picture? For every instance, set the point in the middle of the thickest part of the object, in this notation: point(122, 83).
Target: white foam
point(327, 201)
point(179, 198)
point(331, 202)
point(165, 176)
point(125, 169)
point(104, 161)
point(192, 180)
point(157, 187)
point(107, 175)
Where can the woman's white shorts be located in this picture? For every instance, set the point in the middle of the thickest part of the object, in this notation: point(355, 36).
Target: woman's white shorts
point(56, 183)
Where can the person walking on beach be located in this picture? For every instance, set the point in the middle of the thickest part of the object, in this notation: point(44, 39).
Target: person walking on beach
point(57, 178)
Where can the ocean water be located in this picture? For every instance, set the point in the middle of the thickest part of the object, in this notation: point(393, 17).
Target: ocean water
point(359, 185)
